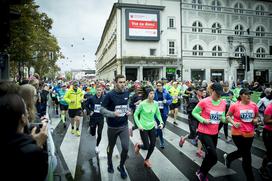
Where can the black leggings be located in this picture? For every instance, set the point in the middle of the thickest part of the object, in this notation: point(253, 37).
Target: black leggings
point(244, 146)
point(96, 123)
point(193, 124)
point(267, 139)
point(209, 143)
point(225, 128)
point(148, 144)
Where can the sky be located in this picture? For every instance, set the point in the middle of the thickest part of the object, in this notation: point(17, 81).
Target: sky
point(78, 26)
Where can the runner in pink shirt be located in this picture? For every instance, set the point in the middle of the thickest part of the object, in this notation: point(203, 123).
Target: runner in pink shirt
point(245, 114)
point(267, 139)
point(209, 112)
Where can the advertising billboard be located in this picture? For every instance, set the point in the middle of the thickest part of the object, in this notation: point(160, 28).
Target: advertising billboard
point(142, 25)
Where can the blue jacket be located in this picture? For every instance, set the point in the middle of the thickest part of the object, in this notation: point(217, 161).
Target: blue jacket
point(168, 98)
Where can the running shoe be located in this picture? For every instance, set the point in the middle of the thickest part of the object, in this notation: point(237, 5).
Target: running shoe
point(227, 163)
point(147, 164)
point(73, 131)
point(77, 133)
point(201, 176)
point(96, 150)
point(181, 141)
point(110, 168)
point(122, 172)
point(162, 145)
point(175, 123)
point(200, 154)
point(228, 140)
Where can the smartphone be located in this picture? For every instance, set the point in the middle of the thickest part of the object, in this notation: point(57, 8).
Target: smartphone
point(37, 125)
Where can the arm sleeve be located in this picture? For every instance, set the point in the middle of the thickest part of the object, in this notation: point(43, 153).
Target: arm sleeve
point(107, 113)
point(136, 115)
point(197, 113)
point(104, 106)
point(223, 117)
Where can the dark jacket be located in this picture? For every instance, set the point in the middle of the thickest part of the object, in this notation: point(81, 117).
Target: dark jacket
point(24, 160)
point(94, 104)
point(166, 96)
point(115, 101)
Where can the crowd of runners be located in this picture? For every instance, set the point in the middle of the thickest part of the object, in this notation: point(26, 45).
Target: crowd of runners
point(210, 106)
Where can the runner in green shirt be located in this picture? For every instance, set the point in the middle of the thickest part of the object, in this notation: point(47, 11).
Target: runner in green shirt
point(147, 110)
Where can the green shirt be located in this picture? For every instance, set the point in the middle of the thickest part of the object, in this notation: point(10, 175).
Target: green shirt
point(147, 112)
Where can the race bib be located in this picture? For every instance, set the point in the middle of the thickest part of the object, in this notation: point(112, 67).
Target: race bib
point(215, 117)
point(247, 115)
point(160, 104)
point(97, 108)
point(122, 109)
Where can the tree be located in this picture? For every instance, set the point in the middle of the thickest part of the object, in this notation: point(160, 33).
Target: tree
point(68, 75)
point(32, 44)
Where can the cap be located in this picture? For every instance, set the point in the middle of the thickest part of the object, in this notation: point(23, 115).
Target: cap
point(217, 87)
point(245, 91)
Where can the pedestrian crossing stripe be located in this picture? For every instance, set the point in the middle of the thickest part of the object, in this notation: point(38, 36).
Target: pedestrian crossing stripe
point(157, 159)
point(103, 161)
point(69, 148)
point(225, 147)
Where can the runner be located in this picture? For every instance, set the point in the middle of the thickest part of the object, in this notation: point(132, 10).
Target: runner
point(209, 112)
point(74, 97)
point(63, 104)
point(245, 115)
point(115, 108)
point(96, 119)
point(174, 92)
point(164, 100)
point(147, 110)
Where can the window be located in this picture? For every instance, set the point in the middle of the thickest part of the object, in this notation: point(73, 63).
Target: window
point(171, 22)
point(239, 30)
point(197, 27)
point(171, 48)
point(260, 31)
point(238, 8)
point(198, 50)
point(217, 51)
point(196, 4)
point(240, 51)
point(216, 5)
point(259, 10)
point(216, 28)
point(260, 53)
point(152, 52)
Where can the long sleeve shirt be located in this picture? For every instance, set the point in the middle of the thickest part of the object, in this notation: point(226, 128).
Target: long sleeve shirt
point(147, 112)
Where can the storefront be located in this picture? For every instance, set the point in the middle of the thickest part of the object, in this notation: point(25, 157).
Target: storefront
point(261, 76)
point(151, 74)
point(197, 74)
point(170, 74)
point(131, 74)
point(217, 74)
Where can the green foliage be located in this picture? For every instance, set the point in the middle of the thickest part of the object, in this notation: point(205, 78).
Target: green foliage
point(32, 42)
point(68, 75)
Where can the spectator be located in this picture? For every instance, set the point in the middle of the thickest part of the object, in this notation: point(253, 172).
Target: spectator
point(23, 155)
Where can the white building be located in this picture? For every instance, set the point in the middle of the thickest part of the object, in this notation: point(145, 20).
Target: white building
point(215, 35)
point(141, 39)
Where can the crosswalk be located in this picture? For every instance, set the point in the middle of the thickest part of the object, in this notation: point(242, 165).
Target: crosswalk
point(172, 163)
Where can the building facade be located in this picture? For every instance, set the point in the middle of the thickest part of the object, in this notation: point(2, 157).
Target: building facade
point(142, 40)
point(221, 40)
point(227, 40)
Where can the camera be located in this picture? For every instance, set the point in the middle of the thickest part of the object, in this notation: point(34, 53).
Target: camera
point(37, 125)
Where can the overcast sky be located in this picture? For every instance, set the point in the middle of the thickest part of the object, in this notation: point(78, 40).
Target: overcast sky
point(74, 20)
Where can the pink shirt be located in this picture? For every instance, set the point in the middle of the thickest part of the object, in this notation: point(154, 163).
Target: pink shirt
point(243, 114)
point(211, 112)
point(268, 111)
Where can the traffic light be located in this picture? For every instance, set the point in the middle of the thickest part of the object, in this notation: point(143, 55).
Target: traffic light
point(178, 73)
